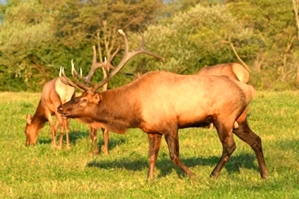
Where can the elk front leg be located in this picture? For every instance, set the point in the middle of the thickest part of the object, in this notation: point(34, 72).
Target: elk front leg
point(255, 142)
point(60, 123)
point(228, 144)
point(66, 123)
point(53, 135)
point(106, 140)
point(53, 129)
point(94, 150)
point(63, 123)
point(173, 147)
point(154, 146)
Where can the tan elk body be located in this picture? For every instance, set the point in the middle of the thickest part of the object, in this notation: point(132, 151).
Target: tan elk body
point(160, 103)
point(54, 93)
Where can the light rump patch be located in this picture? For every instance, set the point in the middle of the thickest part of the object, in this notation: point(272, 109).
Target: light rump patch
point(64, 91)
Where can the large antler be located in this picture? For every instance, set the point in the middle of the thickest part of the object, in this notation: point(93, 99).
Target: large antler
point(77, 83)
point(104, 65)
point(126, 57)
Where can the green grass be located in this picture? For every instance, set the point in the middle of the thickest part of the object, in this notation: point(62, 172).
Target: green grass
point(43, 172)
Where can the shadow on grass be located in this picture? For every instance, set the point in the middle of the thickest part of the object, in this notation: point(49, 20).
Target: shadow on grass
point(166, 166)
point(74, 136)
point(232, 166)
point(77, 135)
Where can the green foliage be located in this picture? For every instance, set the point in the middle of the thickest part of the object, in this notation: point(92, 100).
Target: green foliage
point(37, 37)
point(43, 172)
point(24, 34)
point(52, 34)
point(274, 23)
point(200, 37)
point(79, 27)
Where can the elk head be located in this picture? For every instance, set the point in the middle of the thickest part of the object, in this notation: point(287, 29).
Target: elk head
point(30, 131)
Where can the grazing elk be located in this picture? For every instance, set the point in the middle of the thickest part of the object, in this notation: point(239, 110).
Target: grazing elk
point(160, 103)
point(54, 93)
point(232, 70)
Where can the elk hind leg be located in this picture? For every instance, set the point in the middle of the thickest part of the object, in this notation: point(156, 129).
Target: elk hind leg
point(228, 145)
point(94, 150)
point(154, 147)
point(106, 141)
point(53, 129)
point(255, 142)
point(66, 127)
point(173, 147)
point(60, 122)
point(53, 134)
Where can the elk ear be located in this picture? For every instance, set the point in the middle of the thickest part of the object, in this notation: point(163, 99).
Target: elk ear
point(28, 119)
point(97, 98)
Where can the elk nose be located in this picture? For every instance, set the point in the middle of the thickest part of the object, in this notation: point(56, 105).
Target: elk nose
point(59, 109)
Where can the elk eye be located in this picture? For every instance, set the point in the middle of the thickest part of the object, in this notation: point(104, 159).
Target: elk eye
point(83, 100)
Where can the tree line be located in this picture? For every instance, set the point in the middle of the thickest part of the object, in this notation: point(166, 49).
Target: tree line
point(39, 36)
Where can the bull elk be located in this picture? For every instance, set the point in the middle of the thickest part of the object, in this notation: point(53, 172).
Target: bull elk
point(54, 93)
point(232, 70)
point(159, 103)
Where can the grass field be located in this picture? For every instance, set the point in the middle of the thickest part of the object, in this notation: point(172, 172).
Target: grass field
point(43, 172)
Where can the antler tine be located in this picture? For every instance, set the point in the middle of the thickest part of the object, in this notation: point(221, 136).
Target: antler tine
point(113, 55)
point(127, 56)
point(77, 82)
point(66, 80)
point(108, 63)
point(125, 40)
point(143, 50)
point(95, 65)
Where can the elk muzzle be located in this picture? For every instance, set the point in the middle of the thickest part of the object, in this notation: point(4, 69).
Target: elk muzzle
point(30, 139)
point(62, 111)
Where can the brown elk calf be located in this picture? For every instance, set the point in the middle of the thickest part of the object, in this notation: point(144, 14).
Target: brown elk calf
point(160, 103)
point(54, 93)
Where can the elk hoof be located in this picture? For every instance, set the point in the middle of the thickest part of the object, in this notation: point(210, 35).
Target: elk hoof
point(264, 175)
point(191, 175)
point(92, 153)
point(214, 175)
point(59, 147)
point(105, 151)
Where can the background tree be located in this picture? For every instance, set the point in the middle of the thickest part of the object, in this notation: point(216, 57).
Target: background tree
point(96, 23)
point(272, 21)
point(24, 34)
point(38, 36)
point(200, 37)
point(55, 32)
point(296, 10)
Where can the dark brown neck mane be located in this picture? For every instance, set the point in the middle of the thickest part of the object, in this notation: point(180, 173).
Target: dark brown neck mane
point(121, 116)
